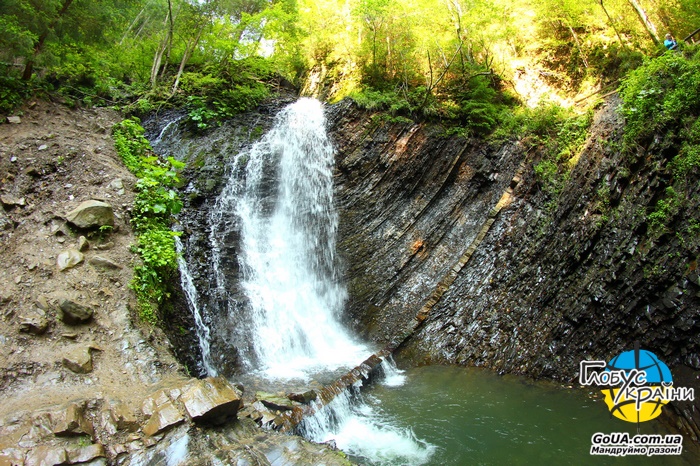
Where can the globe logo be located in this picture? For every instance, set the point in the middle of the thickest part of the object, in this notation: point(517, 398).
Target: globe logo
point(640, 398)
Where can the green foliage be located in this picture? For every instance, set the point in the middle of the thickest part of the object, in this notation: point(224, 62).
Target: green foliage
point(13, 91)
point(665, 209)
point(660, 94)
point(662, 105)
point(155, 204)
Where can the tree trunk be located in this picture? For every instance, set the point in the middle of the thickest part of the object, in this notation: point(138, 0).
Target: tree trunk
point(612, 24)
point(644, 18)
point(29, 67)
point(185, 58)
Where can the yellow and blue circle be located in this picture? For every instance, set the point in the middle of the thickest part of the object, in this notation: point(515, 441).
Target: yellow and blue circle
point(656, 373)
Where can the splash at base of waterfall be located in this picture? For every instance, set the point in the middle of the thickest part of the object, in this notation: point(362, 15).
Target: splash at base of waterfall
point(356, 424)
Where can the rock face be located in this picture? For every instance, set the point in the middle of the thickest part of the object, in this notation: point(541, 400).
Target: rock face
point(91, 214)
point(545, 288)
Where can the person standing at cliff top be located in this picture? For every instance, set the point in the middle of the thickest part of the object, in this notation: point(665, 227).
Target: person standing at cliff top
point(670, 43)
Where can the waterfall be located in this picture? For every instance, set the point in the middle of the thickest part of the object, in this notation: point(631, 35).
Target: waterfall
point(280, 192)
point(201, 328)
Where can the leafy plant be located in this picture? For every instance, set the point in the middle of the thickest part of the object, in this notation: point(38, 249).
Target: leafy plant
point(155, 204)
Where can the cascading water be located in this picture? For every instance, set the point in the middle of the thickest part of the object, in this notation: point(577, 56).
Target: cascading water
point(281, 192)
point(201, 328)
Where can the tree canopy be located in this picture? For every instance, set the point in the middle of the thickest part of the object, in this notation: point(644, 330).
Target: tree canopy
point(454, 59)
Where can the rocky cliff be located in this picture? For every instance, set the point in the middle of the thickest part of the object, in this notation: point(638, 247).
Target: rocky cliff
point(549, 285)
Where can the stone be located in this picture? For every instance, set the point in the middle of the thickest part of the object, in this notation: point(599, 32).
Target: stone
point(71, 421)
point(10, 201)
point(43, 303)
point(34, 321)
point(103, 263)
point(91, 214)
point(73, 313)
point(12, 457)
point(14, 119)
point(277, 402)
point(83, 244)
point(164, 417)
point(86, 453)
point(123, 417)
point(151, 403)
point(212, 400)
point(79, 359)
point(306, 397)
point(46, 456)
point(69, 259)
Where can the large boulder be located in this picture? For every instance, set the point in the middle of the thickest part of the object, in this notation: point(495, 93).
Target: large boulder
point(212, 400)
point(91, 214)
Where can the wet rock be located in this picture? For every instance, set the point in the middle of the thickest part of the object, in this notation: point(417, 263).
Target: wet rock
point(71, 421)
point(14, 119)
point(103, 263)
point(151, 403)
point(33, 321)
point(164, 417)
point(91, 214)
point(276, 402)
point(73, 313)
point(68, 259)
point(306, 397)
point(79, 359)
point(212, 400)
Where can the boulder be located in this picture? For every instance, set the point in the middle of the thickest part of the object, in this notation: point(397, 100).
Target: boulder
point(9, 200)
point(33, 321)
point(68, 259)
point(71, 421)
point(91, 214)
point(212, 400)
point(73, 313)
point(116, 416)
